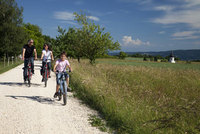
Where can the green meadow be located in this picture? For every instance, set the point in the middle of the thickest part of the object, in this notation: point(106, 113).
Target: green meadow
point(137, 97)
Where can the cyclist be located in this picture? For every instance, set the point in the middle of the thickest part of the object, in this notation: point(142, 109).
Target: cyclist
point(46, 55)
point(60, 66)
point(27, 54)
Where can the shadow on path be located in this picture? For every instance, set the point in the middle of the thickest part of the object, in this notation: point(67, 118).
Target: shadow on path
point(40, 99)
point(18, 84)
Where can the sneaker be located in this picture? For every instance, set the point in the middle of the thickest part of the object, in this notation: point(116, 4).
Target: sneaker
point(56, 94)
point(59, 96)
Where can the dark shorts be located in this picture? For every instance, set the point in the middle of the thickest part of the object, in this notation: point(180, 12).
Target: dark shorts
point(58, 76)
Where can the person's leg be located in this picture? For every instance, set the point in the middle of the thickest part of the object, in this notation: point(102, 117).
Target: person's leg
point(49, 69)
point(32, 65)
point(43, 63)
point(57, 85)
point(25, 68)
point(67, 80)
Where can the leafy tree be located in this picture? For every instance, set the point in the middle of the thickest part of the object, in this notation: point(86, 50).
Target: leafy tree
point(122, 55)
point(94, 40)
point(144, 59)
point(12, 34)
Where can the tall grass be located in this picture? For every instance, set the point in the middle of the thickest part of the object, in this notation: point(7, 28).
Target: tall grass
point(141, 99)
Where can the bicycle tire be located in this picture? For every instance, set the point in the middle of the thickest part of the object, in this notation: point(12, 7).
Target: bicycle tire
point(64, 95)
point(45, 79)
point(29, 79)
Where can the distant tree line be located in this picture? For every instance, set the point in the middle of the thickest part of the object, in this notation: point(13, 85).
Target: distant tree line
point(153, 58)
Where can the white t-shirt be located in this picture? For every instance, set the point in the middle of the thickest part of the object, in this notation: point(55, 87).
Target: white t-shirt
point(61, 65)
point(47, 55)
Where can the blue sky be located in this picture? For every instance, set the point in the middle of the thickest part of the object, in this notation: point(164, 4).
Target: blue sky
point(138, 25)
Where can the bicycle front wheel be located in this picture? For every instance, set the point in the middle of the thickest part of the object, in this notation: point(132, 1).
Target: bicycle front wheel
point(45, 79)
point(64, 94)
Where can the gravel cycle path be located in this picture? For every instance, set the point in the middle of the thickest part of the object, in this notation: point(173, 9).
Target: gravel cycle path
point(33, 110)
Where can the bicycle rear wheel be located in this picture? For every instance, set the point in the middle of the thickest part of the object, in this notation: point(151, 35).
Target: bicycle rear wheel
point(29, 77)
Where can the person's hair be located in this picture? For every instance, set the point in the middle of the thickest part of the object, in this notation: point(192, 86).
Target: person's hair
point(63, 53)
point(45, 45)
point(29, 40)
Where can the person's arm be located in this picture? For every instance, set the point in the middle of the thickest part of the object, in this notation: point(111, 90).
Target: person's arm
point(35, 54)
point(52, 58)
point(23, 53)
point(42, 56)
point(70, 69)
point(54, 68)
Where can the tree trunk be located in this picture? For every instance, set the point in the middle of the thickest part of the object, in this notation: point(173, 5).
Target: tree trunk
point(4, 60)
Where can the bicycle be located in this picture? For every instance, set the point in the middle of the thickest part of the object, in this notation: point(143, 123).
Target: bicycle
point(63, 88)
point(29, 72)
point(45, 73)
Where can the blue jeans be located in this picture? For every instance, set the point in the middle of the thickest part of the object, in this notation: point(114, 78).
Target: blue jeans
point(26, 66)
point(48, 66)
point(58, 77)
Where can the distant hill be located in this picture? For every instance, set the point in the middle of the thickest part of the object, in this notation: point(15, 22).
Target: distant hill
point(182, 54)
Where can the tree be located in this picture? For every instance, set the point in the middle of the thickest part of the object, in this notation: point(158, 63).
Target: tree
point(122, 55)
point(92, 38)
point(12, 35)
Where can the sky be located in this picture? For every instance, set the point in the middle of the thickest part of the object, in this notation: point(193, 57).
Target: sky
point(138, 25)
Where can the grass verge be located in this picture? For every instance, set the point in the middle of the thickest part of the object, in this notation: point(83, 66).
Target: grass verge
point(141, 99)
point(7, 68)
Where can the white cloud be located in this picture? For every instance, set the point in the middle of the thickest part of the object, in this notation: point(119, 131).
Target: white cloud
point(128, 41)
point(162, 32)
point(137, 1)
point(64, 15)
point(93, 18)
point(68, 22)
point(69, 16)
point(164, 8)
point(185, 35)
point(186, 13)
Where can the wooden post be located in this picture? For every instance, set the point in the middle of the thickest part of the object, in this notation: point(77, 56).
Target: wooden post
point(12, 59)
point(8, 60)
point(4, 60)
point(15, 58)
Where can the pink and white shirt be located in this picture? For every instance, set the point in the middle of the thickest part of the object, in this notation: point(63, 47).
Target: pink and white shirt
point(61, 65)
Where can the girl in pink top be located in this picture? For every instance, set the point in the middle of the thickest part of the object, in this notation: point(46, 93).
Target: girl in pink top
point(59, 67)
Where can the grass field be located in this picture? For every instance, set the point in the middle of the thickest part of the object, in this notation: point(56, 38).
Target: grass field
point(141, 97)
point(139, 62)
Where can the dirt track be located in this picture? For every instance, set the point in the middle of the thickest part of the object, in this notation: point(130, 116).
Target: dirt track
point(33, 110)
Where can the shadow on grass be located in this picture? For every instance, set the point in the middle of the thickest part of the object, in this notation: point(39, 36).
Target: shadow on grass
point(18, 84)
point(39, 99)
